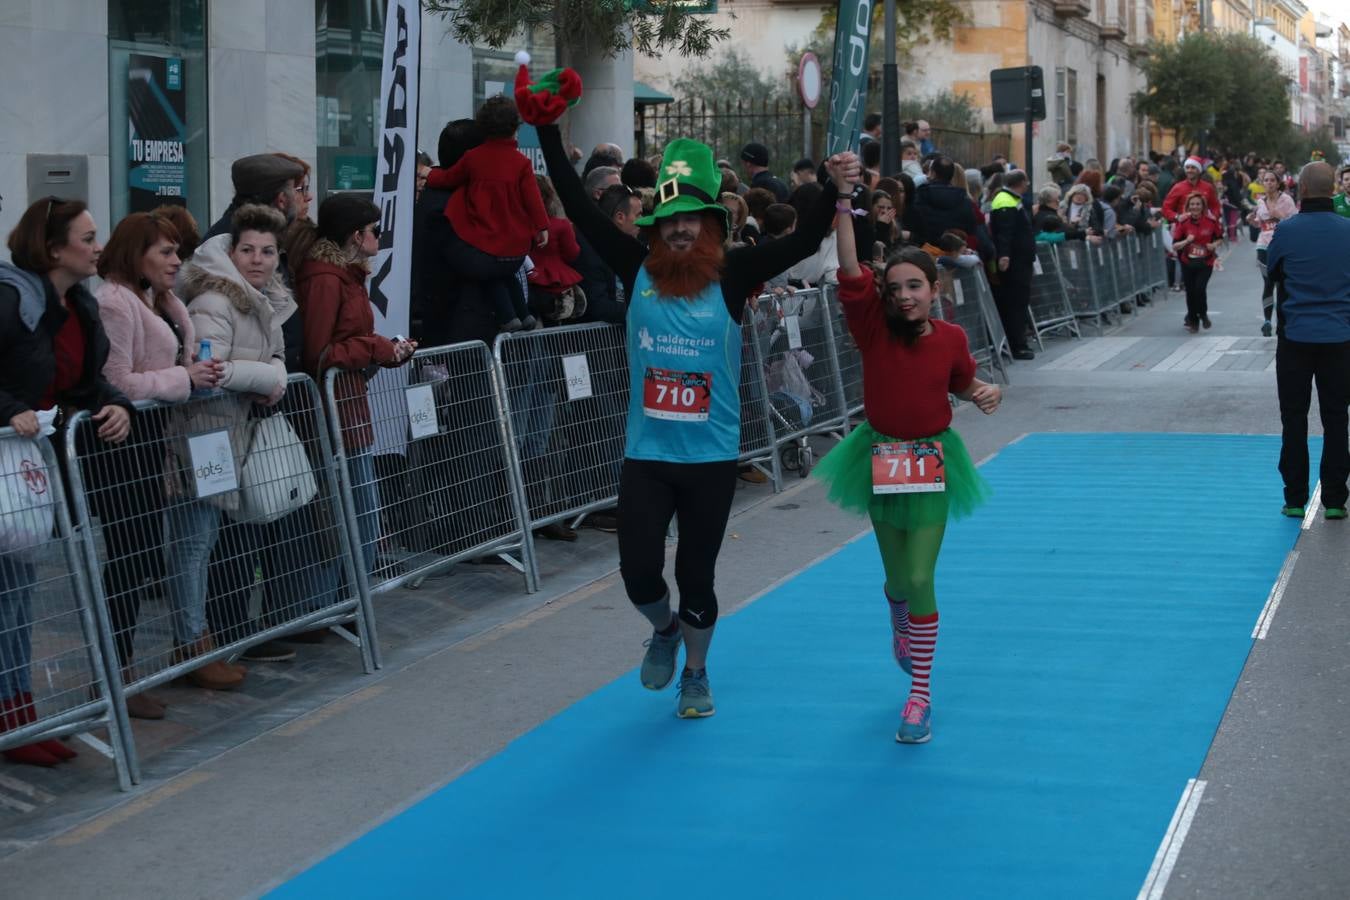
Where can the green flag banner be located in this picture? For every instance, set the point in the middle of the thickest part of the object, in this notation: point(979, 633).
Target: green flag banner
point(848, 81)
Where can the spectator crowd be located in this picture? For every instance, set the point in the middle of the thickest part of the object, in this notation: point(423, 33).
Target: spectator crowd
point(223, 316)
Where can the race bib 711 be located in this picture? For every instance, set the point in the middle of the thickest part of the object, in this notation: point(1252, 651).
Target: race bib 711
point(908, 468)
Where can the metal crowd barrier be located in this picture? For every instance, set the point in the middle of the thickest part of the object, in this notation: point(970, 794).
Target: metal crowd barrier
point(427, 477)
point(566, 394)
point(53, 677)
point(1090, 286)
point(1153, 261)
point(965, 299)
point(1050, 309)
point(215, 526)
point(801, 373)
point(847, 352)
point(1117, 259)
point(1098, 278)
point(758, 447)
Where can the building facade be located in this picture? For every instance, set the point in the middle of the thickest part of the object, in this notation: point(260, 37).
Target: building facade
point(130, 103)
point(1087, 49)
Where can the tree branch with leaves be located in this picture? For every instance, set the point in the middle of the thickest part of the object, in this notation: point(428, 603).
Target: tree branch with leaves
point(592, 27)
point(1227, 86)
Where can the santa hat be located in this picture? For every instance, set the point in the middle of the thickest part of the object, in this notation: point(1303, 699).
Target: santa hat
point(1193, 161)
point(543, 101)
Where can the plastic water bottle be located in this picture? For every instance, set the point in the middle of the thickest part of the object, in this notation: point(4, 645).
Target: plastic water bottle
point(204, 351)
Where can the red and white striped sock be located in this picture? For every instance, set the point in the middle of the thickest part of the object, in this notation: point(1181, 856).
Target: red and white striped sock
point(923, 632)
point(899, 615)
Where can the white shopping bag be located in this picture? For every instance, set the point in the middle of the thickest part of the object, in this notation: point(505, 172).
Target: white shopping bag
point(27, 497)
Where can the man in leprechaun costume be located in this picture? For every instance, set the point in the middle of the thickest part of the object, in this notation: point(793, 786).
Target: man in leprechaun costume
point(687, 293)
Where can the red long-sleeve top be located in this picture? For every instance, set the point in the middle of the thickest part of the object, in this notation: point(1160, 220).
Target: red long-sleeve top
point(1205, 231)
point(496, 206)
point(1174, 206)
point(904, 387)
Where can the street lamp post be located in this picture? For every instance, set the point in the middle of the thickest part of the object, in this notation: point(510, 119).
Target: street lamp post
point(890, 100)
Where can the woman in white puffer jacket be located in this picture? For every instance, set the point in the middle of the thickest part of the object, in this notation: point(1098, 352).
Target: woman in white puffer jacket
point(237, 301)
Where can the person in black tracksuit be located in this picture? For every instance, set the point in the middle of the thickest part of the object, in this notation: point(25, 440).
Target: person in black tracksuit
point(1016, 248)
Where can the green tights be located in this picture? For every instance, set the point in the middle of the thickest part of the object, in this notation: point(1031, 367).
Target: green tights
point(910, 559)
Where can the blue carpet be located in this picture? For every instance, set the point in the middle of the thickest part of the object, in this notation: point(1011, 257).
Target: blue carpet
point(1095, 618)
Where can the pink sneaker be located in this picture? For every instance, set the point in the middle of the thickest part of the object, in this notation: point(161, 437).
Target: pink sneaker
point(900, 647)
point(915, 722)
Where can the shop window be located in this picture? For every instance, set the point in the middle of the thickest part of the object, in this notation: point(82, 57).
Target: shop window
point(349, 50)
point(157, 103)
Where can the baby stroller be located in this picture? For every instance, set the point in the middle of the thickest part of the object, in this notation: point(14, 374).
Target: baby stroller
point(781, 322)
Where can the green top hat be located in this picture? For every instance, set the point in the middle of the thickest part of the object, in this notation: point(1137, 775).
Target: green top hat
point(688, 181)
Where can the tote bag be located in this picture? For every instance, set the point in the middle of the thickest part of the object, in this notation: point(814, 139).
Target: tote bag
point(276, 478)
point(27, 497)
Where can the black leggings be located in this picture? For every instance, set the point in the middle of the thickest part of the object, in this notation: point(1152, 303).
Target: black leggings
point(650, 493)
point(1267, 284)
point(1195, 275)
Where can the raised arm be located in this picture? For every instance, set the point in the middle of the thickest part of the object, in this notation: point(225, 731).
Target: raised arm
point(622, 253)
point(750, 266)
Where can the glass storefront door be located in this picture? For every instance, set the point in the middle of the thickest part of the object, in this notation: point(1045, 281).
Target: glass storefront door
point(157, 105)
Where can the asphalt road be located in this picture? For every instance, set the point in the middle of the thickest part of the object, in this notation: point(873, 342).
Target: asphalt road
point(239, 808)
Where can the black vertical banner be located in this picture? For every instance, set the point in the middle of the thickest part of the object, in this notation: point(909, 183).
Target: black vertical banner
point(157, 110)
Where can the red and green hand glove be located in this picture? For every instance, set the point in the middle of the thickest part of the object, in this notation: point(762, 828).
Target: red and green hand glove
point(543, 102)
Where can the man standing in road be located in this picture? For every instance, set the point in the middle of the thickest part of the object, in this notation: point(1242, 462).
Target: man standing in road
point(1016, 243)
point(1307, 255)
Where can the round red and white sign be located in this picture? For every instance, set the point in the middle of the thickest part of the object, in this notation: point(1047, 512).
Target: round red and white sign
point(809, 80)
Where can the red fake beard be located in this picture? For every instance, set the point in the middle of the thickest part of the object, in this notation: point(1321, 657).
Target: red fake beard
point(687, 273)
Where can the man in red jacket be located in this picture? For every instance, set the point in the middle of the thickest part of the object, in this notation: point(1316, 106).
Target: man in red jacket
point(1174, 207)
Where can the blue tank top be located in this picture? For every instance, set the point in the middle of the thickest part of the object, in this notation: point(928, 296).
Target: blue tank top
point(684, 362)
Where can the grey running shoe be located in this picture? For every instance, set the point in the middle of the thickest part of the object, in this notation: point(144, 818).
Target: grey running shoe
point(658, 666)
point(696, 700)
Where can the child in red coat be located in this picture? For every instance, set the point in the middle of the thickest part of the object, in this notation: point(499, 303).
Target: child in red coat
point(496, 211)
point(555, 293)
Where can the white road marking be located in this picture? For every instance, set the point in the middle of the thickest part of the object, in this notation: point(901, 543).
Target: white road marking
point(1196, 355)
point(22, 787)
point(1170, 848)
point(16, 804)
point(1092, 354)
point(1310, 511)
point(1273, 599)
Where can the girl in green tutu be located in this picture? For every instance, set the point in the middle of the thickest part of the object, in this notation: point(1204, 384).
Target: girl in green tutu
point(906, 467)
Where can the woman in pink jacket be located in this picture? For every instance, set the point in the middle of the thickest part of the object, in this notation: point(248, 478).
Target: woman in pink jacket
point(153, 357)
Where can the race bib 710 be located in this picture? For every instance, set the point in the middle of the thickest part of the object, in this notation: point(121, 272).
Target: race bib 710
point(676, 396)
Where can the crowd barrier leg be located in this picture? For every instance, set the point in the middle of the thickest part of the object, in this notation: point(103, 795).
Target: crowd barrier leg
point(368, 635)
point(517, 481)
point(849, 359)
point(757, 443)
point(55, 680)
